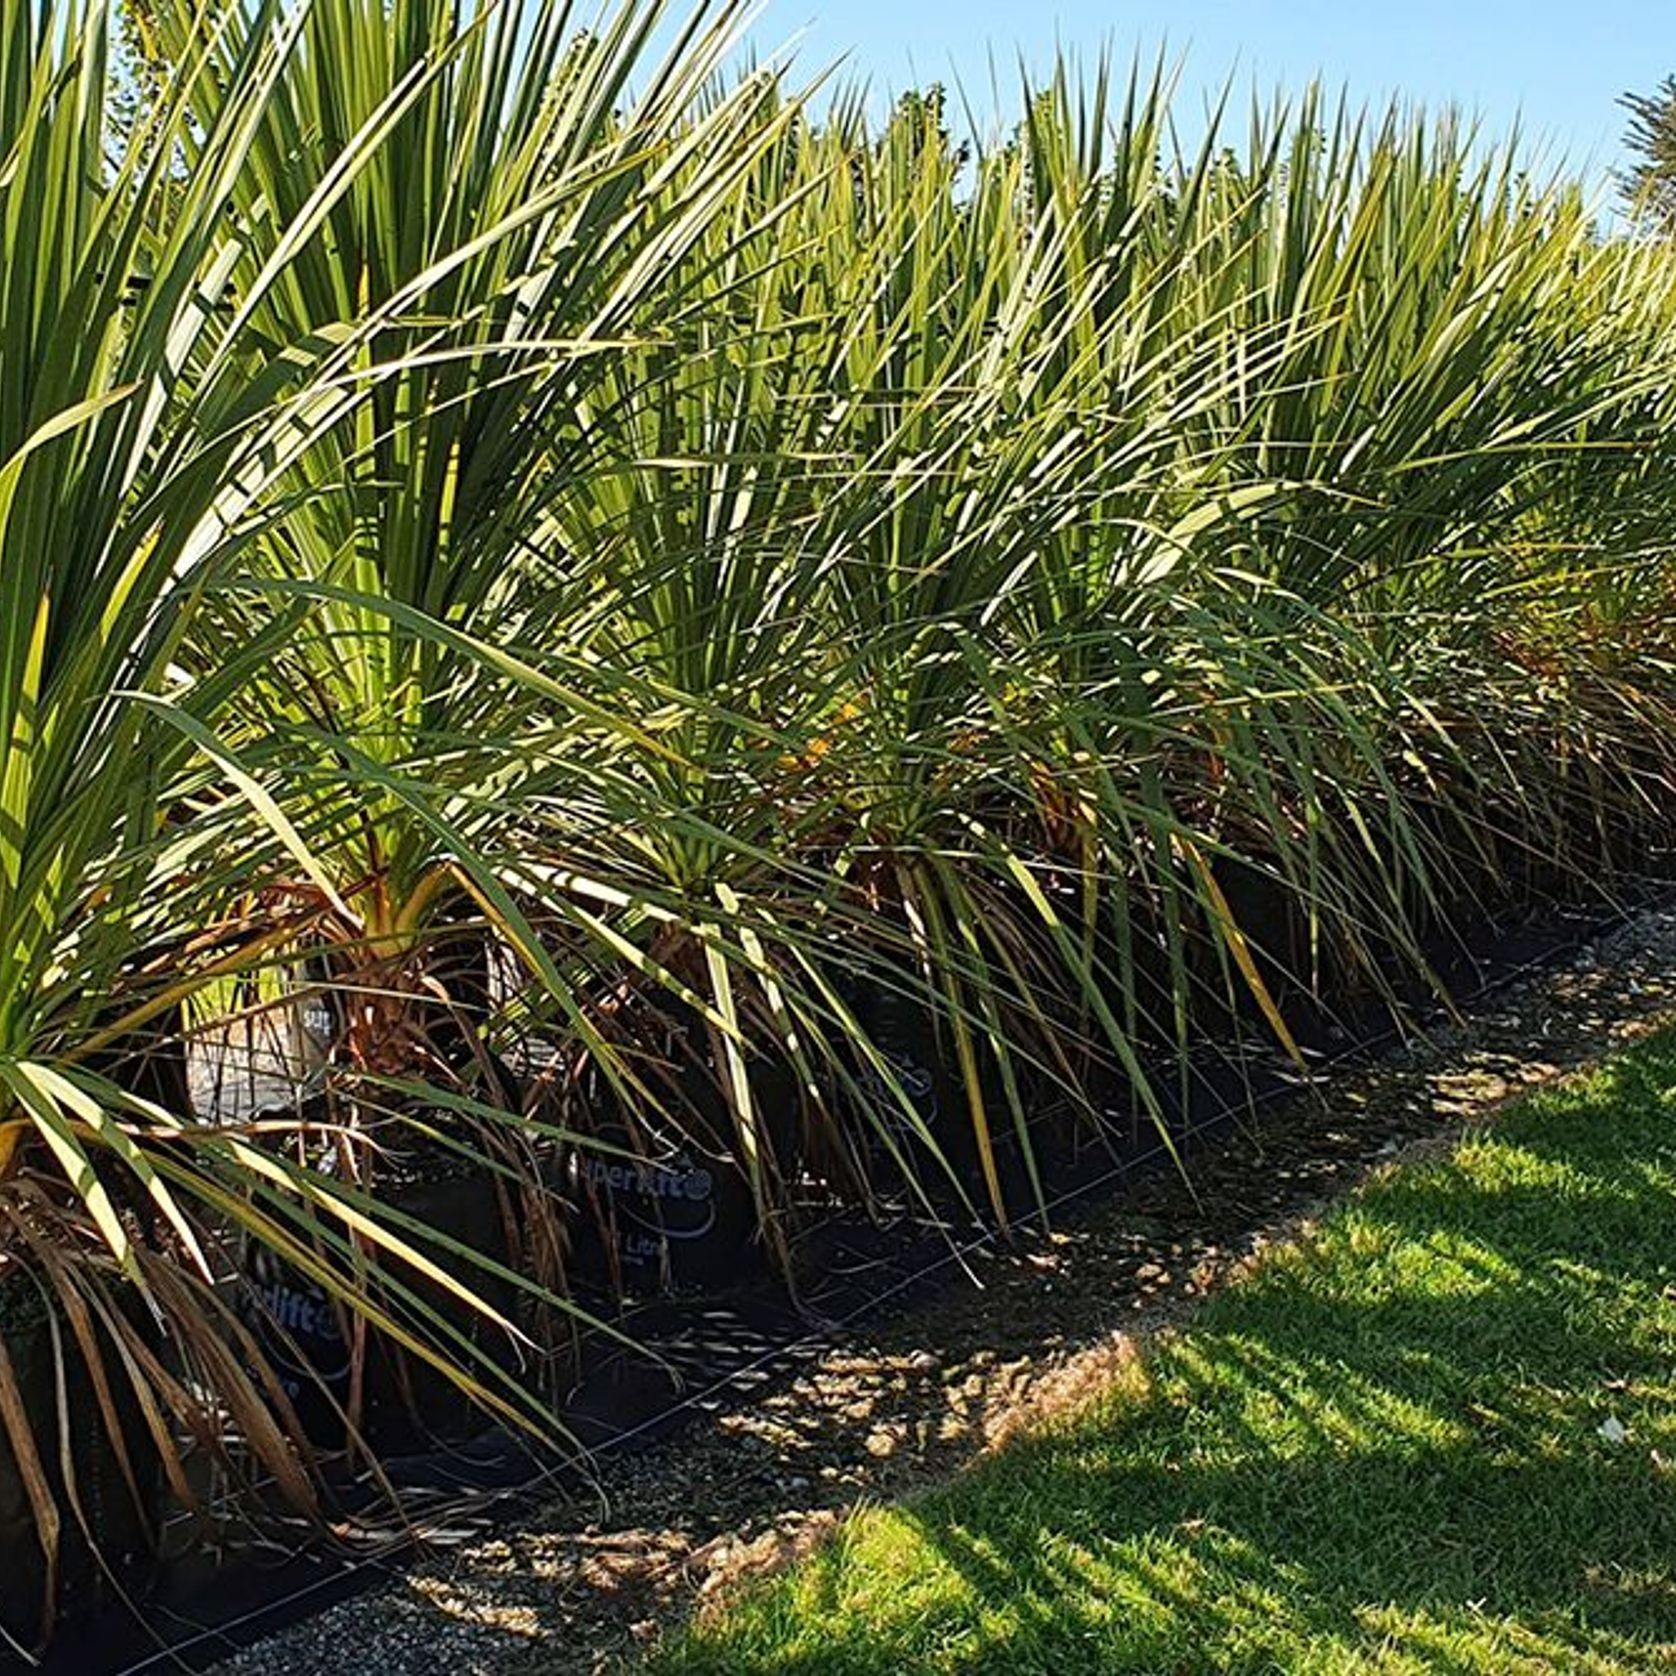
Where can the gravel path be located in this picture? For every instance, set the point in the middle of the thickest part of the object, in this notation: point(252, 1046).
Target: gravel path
point(578, 1585)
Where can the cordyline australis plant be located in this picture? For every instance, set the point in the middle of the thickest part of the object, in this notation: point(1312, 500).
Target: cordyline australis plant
point(800, 599)
point(1104, 594)
point(157, 410)
point(815, 529)
point(400, 747)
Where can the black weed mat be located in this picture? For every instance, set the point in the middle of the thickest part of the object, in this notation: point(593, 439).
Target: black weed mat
point(712, 1354)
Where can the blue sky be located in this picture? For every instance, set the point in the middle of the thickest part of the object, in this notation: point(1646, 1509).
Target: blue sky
point(1559, 67)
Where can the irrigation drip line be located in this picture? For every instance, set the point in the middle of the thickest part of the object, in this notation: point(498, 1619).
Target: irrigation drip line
point(354, 1576)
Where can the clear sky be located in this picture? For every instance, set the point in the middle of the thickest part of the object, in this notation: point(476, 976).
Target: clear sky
point(1557, 66)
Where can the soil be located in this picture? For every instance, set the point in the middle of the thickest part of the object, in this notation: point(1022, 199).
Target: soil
point(912, 1396)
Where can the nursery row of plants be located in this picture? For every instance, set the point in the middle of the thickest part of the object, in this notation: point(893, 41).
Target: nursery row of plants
point(721, 657)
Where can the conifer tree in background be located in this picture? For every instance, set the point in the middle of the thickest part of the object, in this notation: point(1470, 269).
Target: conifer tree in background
point(1650, 184)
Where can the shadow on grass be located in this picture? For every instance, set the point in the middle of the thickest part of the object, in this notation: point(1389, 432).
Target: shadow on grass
point(1384, 1451)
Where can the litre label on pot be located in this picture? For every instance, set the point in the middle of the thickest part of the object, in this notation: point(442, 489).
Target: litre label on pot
point(680, 1216)
point(298, 1327)
point(919, 1084)
point(673, 1200)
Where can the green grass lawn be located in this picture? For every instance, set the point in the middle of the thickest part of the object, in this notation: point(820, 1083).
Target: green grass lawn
point(1384, 1451)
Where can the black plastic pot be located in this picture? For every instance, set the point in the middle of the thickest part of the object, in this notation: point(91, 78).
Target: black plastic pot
point(926, 1070)
point(406, 1396)
point(905, 1036)
point(662, 1200)
point(301, 1333)
point(114, 1555)
point(658, 1214)
point(305, 1333)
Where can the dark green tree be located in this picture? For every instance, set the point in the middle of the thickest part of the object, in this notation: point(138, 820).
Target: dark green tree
point(1650, 183)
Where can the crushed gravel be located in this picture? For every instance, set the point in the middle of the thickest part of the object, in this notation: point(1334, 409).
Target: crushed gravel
point(582, 1583)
